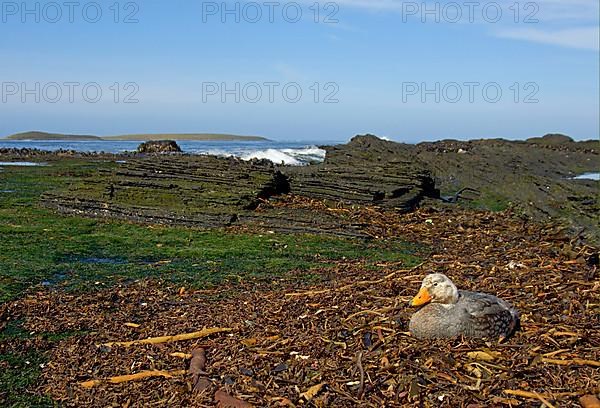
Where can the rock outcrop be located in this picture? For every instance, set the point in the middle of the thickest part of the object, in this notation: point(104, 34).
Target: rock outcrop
point(159, 146)
point(208, 191)
point(552, 139)
point(191, 190)
point(368, 171)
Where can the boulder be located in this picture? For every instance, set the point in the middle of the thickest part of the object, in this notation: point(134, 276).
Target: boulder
point(551, 139)
point(159, 146)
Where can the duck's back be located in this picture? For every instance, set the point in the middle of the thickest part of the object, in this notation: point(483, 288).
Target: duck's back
point(486, 315)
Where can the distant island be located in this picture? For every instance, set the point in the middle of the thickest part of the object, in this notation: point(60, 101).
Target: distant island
point(49, 136)
point(36, 135)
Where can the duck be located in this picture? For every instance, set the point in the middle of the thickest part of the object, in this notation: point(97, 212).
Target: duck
point(446, 312)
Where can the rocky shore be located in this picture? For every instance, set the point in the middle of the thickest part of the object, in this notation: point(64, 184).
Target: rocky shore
point(533, 177)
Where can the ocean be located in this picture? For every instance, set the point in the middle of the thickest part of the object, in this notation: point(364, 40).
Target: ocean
point(292, 153)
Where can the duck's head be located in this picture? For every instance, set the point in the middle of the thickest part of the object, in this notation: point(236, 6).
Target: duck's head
point(436, 288)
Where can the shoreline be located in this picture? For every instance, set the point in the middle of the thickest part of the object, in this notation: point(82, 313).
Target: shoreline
point(535, 179)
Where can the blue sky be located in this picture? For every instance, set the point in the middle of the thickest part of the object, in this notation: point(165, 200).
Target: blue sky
point(410, 71)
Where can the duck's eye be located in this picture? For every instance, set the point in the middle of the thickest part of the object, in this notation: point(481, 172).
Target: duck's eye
point(435, 283)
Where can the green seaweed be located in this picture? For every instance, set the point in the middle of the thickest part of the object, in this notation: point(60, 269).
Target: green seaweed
point(41, 247)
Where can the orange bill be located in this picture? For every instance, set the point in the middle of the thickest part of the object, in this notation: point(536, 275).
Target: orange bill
point(422, 297)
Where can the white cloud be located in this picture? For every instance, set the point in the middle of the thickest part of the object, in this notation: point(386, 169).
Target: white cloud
point(567, 23)
point(570, 11)
point(587, 38)
point(548, 9)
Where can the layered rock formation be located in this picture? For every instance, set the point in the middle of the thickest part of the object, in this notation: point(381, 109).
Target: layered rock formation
point(209, 191)
point(367, 170)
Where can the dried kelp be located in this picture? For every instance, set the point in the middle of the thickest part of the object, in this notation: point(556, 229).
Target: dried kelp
point(343, 342)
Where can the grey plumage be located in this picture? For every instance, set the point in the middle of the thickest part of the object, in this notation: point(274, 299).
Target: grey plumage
point(463, 313)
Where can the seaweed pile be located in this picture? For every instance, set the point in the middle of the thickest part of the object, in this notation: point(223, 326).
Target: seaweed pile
point(342, 342)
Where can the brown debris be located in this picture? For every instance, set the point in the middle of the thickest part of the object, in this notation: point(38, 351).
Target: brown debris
point(589, 401)
point(361, 370)
point(574, 361)
point(312, 391)
point(281, 350)
point(200, 381)
point(225, 400)
point(355, 284)
point(133, 377)
point(169, 339)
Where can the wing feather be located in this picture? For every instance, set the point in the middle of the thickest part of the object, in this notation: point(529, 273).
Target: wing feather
point(487, 315)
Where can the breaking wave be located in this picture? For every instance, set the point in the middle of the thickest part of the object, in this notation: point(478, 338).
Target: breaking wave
point(293, 157)
point(289, 153)
point(288, 156)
